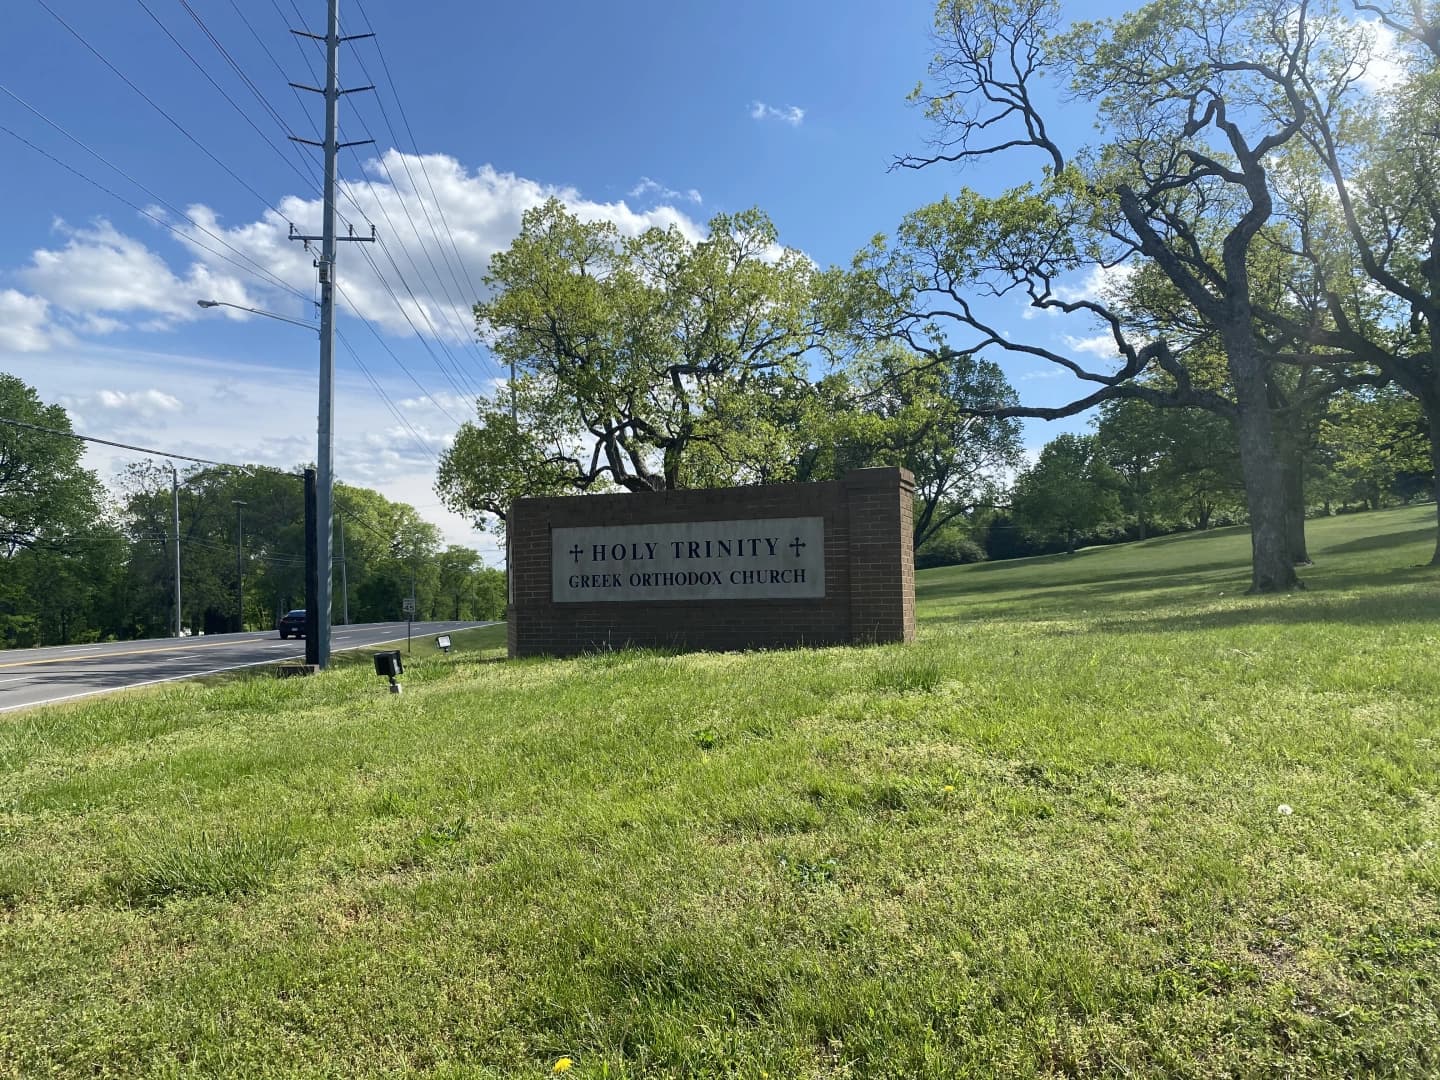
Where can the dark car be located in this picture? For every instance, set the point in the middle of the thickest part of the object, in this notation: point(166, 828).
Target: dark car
point(293, 623)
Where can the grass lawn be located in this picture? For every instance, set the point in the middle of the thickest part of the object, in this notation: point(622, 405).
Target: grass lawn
point(1108, 815)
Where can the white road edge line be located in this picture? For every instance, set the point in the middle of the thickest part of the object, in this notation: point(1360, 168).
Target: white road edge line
point(193, 675)
point(131, 686)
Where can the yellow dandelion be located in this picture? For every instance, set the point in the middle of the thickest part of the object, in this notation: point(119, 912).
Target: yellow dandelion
point(564, 1064)
point(948, 787)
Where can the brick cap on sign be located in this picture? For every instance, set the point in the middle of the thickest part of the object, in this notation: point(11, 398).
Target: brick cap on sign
point(885, 478)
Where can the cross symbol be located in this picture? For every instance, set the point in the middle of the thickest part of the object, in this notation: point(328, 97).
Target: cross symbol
point(796, 544)
point(577, 551)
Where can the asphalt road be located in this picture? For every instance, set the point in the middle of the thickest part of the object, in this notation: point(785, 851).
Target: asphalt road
point(30, 677)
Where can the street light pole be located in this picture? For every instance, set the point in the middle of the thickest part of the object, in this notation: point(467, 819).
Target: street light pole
point(175, 511)
point(344, 576)
point(239, 505)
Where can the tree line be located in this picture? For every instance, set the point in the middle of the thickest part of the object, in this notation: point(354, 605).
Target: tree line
point(80, 564)
point(1144, 472)
point(1265, 221)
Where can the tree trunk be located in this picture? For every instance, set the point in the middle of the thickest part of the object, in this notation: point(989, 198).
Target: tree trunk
point(1432, 419)
point(1289, 448)
point(1292, 478)
point(1271, 567)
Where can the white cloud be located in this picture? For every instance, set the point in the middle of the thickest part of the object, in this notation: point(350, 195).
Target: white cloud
point(25, 323)
point(789, 114)
point(441, 402)
point(102, 280)
point(1102, 345)
point(405, 194)
point(101, 271)
point(646, 186)
point(1100, 283)
point(1386, 67)
point(122, 410)
point(144, 402)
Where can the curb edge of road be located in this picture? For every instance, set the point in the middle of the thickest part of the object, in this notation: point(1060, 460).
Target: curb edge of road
point(202, 674)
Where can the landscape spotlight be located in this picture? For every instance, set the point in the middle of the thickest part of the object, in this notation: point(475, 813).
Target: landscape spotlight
point(388, 665)
point(443, 643)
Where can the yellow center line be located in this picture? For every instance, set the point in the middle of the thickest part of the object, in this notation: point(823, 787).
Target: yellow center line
point(128, 652)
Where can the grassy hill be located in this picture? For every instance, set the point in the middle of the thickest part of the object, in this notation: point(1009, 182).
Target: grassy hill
point(1108, 815)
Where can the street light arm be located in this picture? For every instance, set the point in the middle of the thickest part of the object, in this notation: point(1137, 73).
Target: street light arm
point(257, 311)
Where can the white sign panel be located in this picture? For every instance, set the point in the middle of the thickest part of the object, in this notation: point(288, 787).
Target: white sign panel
point(754, 559)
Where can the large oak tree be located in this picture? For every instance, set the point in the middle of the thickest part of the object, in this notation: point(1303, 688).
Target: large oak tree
point(1195, 102)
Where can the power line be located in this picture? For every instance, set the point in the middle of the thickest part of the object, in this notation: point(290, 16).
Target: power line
point(389, 404)
point(314, 127)
point(255, 269)
point(154, 105)
point(453, 305)
point(405, 119)
point(455, 385)
point(258, 268)
point(469, 389)
point(405, 284)
point(265, 104)
point(138, 449)
point(400, 363)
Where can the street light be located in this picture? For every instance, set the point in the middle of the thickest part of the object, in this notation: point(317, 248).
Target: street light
point(239, 505)
point(318, 495)
point(257, 311)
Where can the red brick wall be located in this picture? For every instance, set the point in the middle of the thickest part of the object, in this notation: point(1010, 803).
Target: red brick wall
point(869, 570)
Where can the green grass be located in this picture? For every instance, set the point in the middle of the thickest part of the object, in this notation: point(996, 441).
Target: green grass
point(1048, 838)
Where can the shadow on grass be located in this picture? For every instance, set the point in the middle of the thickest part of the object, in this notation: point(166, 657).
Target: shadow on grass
point(1088, 594)
point(1094, 589)
point(1111, 581)
point(1383, 541)
point(1333, 601)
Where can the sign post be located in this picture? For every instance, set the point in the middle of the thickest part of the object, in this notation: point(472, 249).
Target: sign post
point(409, 605)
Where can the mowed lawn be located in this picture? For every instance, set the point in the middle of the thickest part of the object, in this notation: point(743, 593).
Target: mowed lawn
point(1107, 816)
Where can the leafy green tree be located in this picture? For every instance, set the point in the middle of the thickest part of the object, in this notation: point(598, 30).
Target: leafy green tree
point(1129, 441)
point(392, 554)
point(466, 588)
point(45, 494)
point(900, 408)
point(57, 546)
point(1068, 493)
point(1381, 159)
point(1374, 438)
point(1195, 107)
point(212, 557)
point(642, 363)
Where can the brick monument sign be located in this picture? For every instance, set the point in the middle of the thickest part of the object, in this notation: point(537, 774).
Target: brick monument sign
point(732, 568)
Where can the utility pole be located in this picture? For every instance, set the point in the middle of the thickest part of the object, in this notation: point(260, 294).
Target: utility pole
point(175, 512)
point(344, 577)
point(239, 505)
point(318, 616)
point(312, 573)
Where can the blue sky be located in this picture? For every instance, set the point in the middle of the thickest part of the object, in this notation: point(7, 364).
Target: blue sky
point(642, 111)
